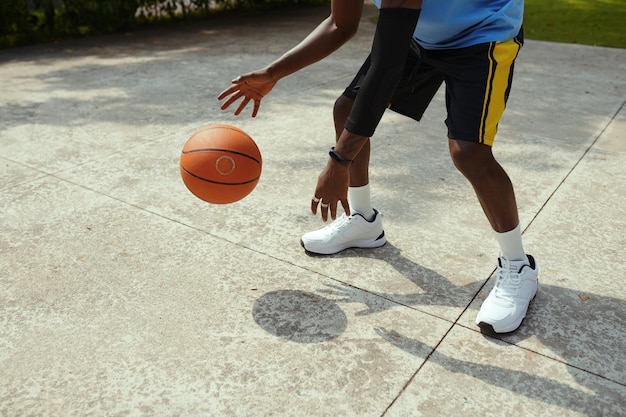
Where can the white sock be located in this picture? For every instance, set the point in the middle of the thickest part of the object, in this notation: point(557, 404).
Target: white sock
point(359, 199)
point(511, 246)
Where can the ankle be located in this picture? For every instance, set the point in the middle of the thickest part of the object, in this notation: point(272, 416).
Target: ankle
point(511, 247)
point(360, 201)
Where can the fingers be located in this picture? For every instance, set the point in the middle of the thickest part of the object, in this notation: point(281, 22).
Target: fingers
point(346, 207)
point(314, 202)
point(328, 208)
point(323, 206)
point(234, 97)
point(333, 210)
point(228, 91)
point(236, 92)
point(242, 105)
point(324, 210)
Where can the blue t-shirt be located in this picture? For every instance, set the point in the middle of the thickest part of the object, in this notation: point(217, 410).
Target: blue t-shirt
point(447, 24)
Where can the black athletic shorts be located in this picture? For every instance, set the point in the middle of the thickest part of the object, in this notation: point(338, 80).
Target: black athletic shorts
point(478, 81)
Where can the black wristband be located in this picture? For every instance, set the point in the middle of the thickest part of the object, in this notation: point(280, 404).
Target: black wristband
point(343, 161)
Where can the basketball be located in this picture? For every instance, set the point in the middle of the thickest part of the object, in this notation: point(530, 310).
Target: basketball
point(220, 164)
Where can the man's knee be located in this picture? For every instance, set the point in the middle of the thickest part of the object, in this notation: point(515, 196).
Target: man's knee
point(470, 157)
point(343, 105)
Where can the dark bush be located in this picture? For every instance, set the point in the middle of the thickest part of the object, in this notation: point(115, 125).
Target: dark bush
point(28, 21)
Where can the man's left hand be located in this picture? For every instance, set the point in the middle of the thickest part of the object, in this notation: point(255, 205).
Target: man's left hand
point(331, 190)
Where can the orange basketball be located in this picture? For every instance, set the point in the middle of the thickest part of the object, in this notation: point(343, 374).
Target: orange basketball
point(220, 164)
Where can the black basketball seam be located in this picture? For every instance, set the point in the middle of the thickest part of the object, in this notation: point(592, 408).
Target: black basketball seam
point(220, 126)
point(218, 182)
point(222, 150)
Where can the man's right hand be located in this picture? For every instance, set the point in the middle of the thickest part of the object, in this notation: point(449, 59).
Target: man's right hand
point(252, 86)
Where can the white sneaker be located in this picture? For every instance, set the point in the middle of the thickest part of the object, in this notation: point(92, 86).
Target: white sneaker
point(505, 307)
point(346, 232)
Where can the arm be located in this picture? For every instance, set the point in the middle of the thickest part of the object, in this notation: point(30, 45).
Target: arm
point(325, 39)
point(329, 36)
point(396, 24)
point(390, 48)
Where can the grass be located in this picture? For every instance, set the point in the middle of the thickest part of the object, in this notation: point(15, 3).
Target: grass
point(589, 22)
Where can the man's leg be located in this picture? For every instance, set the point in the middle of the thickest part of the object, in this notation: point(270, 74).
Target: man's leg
point(478, 82)
point(491, 183)
point(359, 190)
point(516, 283)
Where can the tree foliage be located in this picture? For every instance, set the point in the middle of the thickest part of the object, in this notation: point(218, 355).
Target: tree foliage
point(30, 21)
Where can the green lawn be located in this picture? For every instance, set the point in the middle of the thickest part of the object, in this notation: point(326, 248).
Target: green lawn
point(589, 22)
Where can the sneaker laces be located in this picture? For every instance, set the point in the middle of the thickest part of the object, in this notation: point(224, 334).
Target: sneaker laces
point(508, 282)
point(337, 224)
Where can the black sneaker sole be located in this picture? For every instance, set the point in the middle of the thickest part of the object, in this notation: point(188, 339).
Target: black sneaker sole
point(488, 330)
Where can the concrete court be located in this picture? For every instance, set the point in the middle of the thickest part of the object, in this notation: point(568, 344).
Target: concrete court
point(123, 295)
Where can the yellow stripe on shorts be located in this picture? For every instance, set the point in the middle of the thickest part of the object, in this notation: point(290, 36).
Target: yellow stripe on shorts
point(501, 58)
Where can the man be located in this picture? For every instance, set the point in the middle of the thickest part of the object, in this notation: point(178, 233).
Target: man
point(469, 45)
